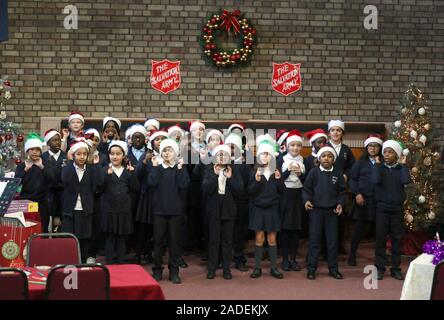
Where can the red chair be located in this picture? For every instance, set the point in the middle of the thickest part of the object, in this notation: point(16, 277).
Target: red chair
point(13, 284)
point(438, 282)
point(85, 282)
point(50, 249)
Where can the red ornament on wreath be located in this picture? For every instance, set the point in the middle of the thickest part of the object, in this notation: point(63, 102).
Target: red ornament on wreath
point(224, 22)
point(20, 138)
point(18, 161)
point(8, 137)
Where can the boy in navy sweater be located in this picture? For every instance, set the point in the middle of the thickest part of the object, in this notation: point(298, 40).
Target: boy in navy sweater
point(390, 179)
point(323, 195)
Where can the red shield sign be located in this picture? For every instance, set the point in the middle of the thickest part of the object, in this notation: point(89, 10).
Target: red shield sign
point(286, 77)
point(165, 75)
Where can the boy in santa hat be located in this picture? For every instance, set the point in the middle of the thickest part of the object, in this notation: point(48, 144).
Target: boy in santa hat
point(317, 138)
point(76, 123)
point(390, 176)
point(323, 196)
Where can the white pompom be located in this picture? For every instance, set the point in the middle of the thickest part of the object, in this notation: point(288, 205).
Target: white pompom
point(421, 199)
point(421, 111)
point(431, 215)
point(423, 139)
point(406, 152)
point(398, 124)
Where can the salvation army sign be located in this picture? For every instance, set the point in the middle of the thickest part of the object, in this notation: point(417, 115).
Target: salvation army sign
point(165, 75)
point(286, 78)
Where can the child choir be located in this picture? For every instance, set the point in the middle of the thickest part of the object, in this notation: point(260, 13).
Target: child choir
point(165, 190)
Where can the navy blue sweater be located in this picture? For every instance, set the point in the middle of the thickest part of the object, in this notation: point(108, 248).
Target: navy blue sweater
point(324, 189)
point(361, 178)
point(170, 185)
point(35, 182)
point(345, 160)
point(265, 194)
point(57, 168)
point(390, 182)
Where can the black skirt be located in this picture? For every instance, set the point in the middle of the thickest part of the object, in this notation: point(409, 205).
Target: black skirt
point(265, 219)
point(367, 212)
point(143, 213)
point(117, 223)
point(291, 209)
point(79, 224)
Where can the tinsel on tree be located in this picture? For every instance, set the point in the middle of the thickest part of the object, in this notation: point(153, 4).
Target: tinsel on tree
point(10, 133)
point(415, 130)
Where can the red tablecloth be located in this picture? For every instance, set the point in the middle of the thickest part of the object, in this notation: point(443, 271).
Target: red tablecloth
point(128, 282)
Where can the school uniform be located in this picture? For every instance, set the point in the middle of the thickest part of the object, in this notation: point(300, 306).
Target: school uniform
point(35, 187)
point(117, 221)
point(169, 184)
point(222, 211)
point(324, 189)
point(55, 192)
point(390, 197)
point(78, 201)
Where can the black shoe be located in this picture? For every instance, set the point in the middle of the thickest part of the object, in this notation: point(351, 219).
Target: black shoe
point(174, 278)
point(311, 275)
point(286, 265)
point(182, 263)
point(157, 275)
point(396, 273)
point(294, 265)
point(335, 274)
point(352, 261)
point(275, 273)
point(257, 272)
point(341, 250)
point(380, 274)
point(241, 266)
point(204, 258)
point(227, 275)
point(211, 274)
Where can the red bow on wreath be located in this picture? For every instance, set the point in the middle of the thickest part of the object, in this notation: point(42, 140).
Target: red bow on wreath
point(230, 19)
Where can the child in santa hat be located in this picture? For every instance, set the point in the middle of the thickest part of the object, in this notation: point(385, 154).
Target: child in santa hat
point(138, 135)
point(76, 123)
point(323, 196)
point(317, 138)
point(36, 177)
point(110, 131)
point(170, 180)
point(56, 157)
point(390, 176)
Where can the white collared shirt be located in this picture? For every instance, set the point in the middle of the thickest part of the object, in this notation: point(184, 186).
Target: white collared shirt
point(80, 173)
point(118, 171)
point(137, 152)
point(222, 182)
point(327, 170)
point(267, 173)
point(165, 166)
point(337, 147)
point(54, 155)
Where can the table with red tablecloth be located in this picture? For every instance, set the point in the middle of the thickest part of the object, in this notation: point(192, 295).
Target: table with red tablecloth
point(127, 282)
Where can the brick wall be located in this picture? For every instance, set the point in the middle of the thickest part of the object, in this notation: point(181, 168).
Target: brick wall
point(103, 67)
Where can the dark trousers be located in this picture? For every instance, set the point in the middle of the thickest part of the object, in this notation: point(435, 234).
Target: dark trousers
point(115, 245)
point(220, 241)
point(319, 219)
point(357, 235)
point(240, 232)
point(289, 244)
point(144, 239)
point(167, 230)
point(44, 212)
point(55, 203)
point(388, 222)
point(84, 248)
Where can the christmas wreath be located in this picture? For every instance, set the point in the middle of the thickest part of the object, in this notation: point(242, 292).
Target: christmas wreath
point(223, 22)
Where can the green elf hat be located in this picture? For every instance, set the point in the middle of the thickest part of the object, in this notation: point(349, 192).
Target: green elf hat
point(33, 140)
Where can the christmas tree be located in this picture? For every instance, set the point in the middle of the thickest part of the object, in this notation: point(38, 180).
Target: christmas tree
point(10, 133)
point(415, 130)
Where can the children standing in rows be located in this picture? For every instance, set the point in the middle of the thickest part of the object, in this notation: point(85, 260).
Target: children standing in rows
point(390, 176)
point(169, 179)
point(364, 208)
point(117, 184)
point(264, 187)
point(324, 199)
point(293, 169)
point(56, 158)
point(222, 185)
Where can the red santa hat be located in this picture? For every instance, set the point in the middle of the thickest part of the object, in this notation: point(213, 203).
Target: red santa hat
point(196, 124)
point(326, 148)
point(79, 143)
point(281, 135)
point(316, 134)
point(92, 131)
point(214, 132)
point(373, 138)
point(76, 115)
point(176, 128)
point(294, 135)
point(49, 134)
point(236, 125)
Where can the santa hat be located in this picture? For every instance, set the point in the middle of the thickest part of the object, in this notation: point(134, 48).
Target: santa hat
point(77, 144)
point(222, 147)
point(316, 134)
point(281, 135)
point(294, 135)
point(128, 133)
point(138, 128)
point(33, 140)
point(176, 128)
point(373, 138)
point(49, 134)
point(264, 137)
point(160, 133)
point(214, 132)
point(327, 149)
point(235, 125)
point(169, 143)
point(93, 131)
point(107, 119)
point(267, 146)
point(234, 138)
point(395, 145)
point(121, 144)
point(196, 124)
point(336, 123)
point(152, 122)
point(76, 115)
